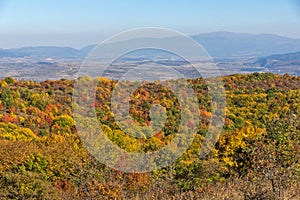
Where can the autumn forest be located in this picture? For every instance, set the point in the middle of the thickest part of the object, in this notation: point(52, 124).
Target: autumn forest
point(257, 155)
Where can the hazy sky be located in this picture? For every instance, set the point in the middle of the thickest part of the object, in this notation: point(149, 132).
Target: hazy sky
point(80, 22)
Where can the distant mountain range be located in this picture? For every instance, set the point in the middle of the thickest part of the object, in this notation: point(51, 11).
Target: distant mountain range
point(42, 52)
point(217, 44)
point(228, 44)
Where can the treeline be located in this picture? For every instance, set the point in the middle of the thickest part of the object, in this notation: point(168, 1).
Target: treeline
point(256, 157)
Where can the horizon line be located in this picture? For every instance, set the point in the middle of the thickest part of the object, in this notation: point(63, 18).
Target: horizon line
point(191, 35)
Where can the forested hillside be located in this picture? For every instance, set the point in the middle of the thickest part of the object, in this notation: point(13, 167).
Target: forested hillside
point(256, 157)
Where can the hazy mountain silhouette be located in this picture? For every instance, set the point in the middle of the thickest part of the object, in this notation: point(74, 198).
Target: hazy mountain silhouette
point(217, 44)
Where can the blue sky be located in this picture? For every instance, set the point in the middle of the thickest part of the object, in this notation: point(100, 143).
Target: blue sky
point(80, 22)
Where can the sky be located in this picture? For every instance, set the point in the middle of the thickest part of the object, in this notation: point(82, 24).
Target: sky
point(78, 23)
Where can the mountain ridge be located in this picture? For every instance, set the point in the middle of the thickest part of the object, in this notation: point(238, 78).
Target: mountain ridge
point(220, 44)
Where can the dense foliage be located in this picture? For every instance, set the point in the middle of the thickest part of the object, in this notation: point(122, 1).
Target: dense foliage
point(256, 157)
